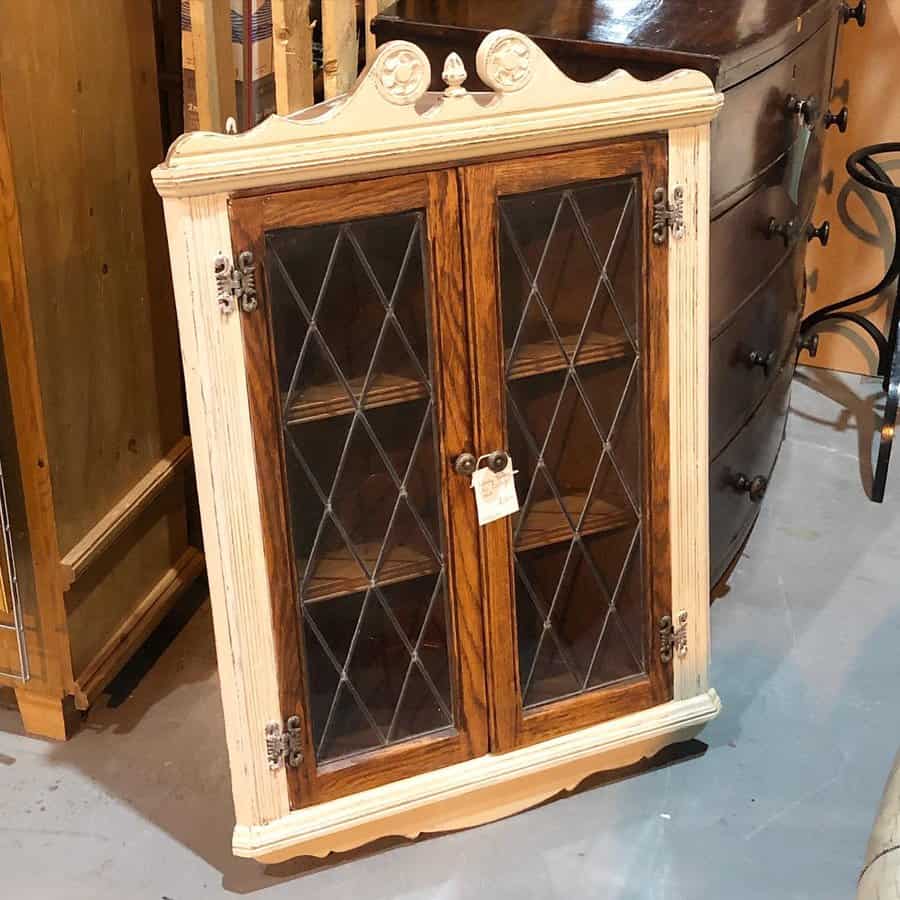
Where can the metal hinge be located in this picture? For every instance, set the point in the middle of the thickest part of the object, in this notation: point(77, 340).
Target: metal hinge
point(236, 283)
point(668, 216)
point(671, 639)
point(284, 746)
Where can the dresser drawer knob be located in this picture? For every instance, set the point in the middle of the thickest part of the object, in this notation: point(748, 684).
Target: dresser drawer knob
point(839, 119)
point(807, 109)
point(857, 12)
point(764, 360)
point(809, 343)
point(755, 487)
point(784, 230)
point(823, 232)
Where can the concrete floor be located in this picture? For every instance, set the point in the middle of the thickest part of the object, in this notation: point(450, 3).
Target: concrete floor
point(805, 657)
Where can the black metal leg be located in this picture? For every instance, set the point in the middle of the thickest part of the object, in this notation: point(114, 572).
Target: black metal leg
point(892, 403)
point(865, 170)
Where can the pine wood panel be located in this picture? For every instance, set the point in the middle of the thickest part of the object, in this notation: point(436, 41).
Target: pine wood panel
point(292, 55)
point(94, 247)
point(25, 441)
point(340, 46)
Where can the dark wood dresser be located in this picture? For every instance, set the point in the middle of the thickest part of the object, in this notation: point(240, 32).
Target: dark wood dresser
point(774, 61)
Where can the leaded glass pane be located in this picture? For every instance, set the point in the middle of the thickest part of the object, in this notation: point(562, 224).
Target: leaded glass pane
point(570, 272)
point(350, 316)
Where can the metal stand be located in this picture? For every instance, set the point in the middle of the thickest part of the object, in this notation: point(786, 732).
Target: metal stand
point(864, 169)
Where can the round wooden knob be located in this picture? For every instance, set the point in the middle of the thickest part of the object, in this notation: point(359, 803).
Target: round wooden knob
point(754, 487)
point(858, 12)
point(839, 119)
point(823, 232)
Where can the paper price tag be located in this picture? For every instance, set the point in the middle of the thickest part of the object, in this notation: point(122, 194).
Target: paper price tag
point(495, 494)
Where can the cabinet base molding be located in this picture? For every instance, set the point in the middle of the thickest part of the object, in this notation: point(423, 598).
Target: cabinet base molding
point(46, 715)
point(478, 791)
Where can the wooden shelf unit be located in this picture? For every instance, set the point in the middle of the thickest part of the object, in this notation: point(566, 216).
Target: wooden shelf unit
point(92, 444)
point(544, 356)
point(325, 401)
point(547, 524)
point(451, 157)
point(339, 574)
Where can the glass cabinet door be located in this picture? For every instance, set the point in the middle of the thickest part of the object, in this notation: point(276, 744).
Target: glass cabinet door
point(572, 384)
point(353, 361)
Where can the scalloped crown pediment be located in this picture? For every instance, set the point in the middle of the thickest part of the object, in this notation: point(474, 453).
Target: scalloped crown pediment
point(390, 118)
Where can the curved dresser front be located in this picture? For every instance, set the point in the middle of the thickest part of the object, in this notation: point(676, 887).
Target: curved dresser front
point(774, 62)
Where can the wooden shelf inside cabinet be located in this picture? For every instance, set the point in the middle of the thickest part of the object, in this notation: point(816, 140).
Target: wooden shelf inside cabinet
point(338, 573)
point(544, 356)
point(546, 524)
point(324, 401)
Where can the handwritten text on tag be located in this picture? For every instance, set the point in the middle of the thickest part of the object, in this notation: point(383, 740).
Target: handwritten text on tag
point(495, 493)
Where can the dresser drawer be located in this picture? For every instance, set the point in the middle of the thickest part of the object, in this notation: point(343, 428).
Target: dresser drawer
point(751, 455)
point(749, 354)
point(742, 253)
point(755, 126)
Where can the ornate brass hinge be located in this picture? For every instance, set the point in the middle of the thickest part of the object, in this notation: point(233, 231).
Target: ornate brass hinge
point(236, 283)
point(671, 639)
point(284, 746)
point(668, 216)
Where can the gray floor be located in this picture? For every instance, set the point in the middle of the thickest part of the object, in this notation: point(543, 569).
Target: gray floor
point(806, 651)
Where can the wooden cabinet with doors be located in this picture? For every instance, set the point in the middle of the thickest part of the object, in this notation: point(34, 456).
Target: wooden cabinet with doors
point(383, 300)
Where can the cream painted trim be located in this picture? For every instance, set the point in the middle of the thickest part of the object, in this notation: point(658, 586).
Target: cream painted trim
point(212, 350)
point(390, 121)
point(689, 404)
point(478, 791)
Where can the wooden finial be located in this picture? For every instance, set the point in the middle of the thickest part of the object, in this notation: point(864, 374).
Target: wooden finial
point(454, 75)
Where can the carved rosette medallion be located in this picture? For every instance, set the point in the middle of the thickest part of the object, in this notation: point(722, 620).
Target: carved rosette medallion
point(402, 73)
point(507, 63)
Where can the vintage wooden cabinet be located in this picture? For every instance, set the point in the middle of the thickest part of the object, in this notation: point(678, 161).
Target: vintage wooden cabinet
point(94, 458)
point(388, 295)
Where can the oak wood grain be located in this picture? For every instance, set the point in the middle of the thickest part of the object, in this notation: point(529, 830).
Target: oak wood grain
point(437, 194)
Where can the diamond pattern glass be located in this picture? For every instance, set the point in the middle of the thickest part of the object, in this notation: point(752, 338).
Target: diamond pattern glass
point(350, 323)
point(570, 272)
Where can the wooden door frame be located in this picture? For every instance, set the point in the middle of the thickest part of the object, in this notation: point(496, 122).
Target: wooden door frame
point(436, 194)
point(642, 157)
point(384, 125)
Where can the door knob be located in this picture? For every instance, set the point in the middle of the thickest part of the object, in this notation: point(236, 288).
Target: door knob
point(784, 230)
point(465, 464)
point(755, 487)
point(764, 360)
point(807, 109)
point(857, 12)
point(498, 460)
point(809, 343)
point(839, 119)
point(823, 232)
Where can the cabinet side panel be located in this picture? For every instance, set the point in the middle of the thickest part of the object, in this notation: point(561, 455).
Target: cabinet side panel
point(82, 110)
point(23, 455)
point(689, 399)
point(212, 350)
